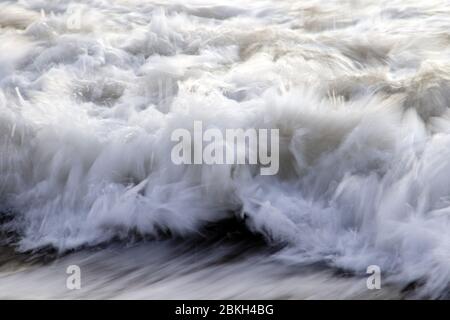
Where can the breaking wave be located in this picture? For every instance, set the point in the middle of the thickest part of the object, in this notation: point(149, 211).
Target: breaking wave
point(359, 93)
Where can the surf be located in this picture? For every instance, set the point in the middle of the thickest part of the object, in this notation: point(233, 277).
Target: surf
point(358, 93)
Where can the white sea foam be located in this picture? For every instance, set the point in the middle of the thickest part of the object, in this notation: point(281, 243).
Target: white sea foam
point(358, 89)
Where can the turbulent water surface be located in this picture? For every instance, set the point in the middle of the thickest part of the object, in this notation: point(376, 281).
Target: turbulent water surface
point(90, 92)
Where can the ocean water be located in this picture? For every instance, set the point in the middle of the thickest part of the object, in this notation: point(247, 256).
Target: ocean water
point(90, 92)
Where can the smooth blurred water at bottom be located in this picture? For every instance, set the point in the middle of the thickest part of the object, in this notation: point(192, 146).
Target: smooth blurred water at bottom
point(174, 270)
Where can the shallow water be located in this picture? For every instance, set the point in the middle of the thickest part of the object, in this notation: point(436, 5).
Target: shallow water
point(165, 270)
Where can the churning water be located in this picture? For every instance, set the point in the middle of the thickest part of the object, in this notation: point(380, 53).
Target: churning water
point(90, 92)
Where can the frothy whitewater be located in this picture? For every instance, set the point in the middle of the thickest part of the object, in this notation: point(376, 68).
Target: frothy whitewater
point(359, 90)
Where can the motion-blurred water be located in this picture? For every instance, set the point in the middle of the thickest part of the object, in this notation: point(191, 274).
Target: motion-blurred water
point(90, 92)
